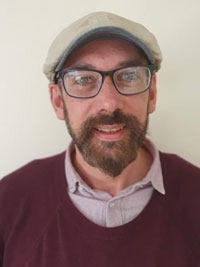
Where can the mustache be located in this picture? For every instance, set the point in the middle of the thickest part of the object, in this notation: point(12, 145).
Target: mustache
point(117, 117)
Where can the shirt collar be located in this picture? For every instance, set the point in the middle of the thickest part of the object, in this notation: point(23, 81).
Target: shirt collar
point(155, 173)
point(154, 176)
point(73, 178)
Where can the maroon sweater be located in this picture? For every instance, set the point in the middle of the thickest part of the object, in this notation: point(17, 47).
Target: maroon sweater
point(40, 227)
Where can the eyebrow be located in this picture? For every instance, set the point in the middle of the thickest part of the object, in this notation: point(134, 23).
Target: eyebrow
point(130, 63)
point(83, 66)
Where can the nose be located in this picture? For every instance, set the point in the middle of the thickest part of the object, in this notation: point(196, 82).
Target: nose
point(108, 99)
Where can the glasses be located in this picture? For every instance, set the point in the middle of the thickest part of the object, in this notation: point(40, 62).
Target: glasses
point(84, 83)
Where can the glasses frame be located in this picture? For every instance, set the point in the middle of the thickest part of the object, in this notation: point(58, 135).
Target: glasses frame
point(61, 74)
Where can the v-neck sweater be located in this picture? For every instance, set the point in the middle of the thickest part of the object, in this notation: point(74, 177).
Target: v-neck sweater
point(41, 227)
point(111, 211)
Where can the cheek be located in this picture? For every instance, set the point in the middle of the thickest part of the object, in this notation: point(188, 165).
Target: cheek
point(78, 111)
point(138, 106)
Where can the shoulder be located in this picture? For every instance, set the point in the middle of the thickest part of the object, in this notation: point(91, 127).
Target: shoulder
point(176, 166)
point(181, 178)
point(182, 184)
point(30, 191)
point(35, 173)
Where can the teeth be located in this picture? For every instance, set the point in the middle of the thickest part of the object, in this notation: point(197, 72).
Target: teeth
point(109, 130)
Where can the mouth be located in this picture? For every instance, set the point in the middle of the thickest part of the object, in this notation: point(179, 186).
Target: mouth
point(110, 132)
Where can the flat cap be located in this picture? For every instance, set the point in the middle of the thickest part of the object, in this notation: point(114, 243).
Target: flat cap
point(100, 25)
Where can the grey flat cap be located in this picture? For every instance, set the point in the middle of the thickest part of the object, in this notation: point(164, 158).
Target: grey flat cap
point(100, 25)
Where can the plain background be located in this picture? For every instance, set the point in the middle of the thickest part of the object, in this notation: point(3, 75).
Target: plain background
point(29, 128)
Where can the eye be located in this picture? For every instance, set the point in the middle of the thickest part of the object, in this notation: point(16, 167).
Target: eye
point(83, 80)
point(128, 76)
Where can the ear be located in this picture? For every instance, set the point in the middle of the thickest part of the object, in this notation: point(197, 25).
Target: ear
point(152, 94)
point(56, 100)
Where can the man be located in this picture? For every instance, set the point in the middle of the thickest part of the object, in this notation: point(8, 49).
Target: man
point(112, 199)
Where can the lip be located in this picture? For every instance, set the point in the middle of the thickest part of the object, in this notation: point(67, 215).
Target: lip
point(110, 133)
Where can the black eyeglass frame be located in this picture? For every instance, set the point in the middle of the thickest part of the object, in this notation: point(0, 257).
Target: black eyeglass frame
point(61, 74)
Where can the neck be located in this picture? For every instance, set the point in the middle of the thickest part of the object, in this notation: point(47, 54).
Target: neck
point(97, 180)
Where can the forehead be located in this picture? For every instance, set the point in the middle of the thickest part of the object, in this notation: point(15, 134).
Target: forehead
point(106, 54)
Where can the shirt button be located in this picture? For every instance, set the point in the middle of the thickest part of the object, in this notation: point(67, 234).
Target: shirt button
point(112, 205)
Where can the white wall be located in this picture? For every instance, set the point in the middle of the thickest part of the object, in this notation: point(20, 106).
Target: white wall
point(28, 127)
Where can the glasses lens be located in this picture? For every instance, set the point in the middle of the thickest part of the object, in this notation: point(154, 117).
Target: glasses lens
point(132, 80)
point(82, 83)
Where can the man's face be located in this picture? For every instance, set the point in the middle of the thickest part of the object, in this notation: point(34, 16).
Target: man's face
point(108, 130)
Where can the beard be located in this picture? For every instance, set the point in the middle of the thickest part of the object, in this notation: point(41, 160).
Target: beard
point(112, 157)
